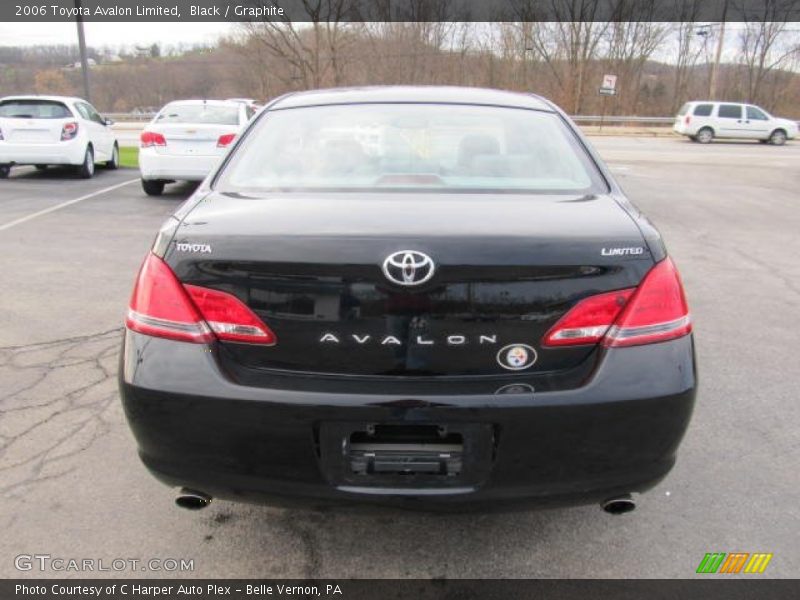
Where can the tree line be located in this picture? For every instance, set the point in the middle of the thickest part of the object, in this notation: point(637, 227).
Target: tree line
point(659, 65)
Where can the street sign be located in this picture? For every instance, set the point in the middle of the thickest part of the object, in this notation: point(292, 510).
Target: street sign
point(609, 85)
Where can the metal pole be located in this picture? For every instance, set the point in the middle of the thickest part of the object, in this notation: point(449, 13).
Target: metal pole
point(82, 46)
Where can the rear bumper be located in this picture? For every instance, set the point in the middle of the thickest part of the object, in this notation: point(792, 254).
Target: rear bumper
point(683, 129)
point(61, 153)
point(182, 168)
point(618, 433)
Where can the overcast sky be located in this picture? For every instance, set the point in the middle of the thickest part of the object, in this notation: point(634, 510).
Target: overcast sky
point(111, 34)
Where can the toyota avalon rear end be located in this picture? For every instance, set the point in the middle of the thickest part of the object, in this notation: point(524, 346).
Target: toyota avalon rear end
point(426, 297)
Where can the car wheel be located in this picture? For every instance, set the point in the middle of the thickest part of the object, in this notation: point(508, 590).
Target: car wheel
point(5, 170)
point(86, 170)
point(114, 162)
point(41, 167)
point(705, 135)
point(778, 137)
point(152, 187)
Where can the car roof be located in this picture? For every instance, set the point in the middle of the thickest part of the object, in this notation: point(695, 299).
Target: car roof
point(412, 94)
point(38, 97)
point(232, 103)
point(719, 102)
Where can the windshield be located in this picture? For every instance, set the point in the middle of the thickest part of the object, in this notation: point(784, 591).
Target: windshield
point(199, 114)
point(34, 109)
point(402, 146)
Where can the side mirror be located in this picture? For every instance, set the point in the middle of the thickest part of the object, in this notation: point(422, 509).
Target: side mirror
point(108, 121)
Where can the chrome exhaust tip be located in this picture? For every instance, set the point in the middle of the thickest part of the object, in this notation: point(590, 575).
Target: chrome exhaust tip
point(619, 505)
point(192, 499)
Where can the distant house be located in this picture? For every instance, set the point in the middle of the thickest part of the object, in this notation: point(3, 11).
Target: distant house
point(89, 61)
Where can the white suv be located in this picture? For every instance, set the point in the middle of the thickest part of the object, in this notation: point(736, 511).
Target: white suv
point(54, 130)
point(703, 121)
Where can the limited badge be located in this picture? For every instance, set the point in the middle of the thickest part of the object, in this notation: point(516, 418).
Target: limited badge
point(516, 357)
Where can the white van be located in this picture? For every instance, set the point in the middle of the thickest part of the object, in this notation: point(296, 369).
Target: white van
point(702, 121)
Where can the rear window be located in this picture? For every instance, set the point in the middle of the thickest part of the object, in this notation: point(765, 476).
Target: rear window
point(703, 110)
point(34, 109)
point(684, 109)
point(199, 114)
point(410, 146)
point(730, 111)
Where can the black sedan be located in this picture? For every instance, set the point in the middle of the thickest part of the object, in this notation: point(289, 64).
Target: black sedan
point(419, 296)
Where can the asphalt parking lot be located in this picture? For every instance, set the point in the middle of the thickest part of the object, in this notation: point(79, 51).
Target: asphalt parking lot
point(72, 485)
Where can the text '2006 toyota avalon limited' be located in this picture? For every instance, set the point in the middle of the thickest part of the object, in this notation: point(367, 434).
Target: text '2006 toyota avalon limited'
point(428, 297)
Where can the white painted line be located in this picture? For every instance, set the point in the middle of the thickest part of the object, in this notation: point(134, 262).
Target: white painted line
point(32, 216)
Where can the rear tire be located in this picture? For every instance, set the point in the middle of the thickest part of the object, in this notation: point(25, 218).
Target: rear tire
point(777, 137)
point(152, 187)
point(86, 170)
point(114, 162)
point(705, 135)
point(5, 171)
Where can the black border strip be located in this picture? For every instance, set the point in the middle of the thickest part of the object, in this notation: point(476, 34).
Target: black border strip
point(401, 10)
point(706, 587)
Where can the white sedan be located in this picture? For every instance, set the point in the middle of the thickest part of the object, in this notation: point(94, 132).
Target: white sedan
point(54, 130)
point(187, 139)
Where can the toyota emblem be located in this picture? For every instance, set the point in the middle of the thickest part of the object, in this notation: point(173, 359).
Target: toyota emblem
point(408, 267)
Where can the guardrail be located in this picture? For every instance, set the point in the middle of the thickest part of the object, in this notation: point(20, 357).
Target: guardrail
point(622, 120)
point(138, 117)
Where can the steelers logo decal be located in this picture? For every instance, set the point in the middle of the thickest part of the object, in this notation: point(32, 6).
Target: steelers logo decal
point(516, 357)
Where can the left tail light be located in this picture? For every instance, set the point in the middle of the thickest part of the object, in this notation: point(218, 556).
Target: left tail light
point(687, 119)
point(161, 306)
point(148, 139)
point(655, 311)
point(225, 140)
point(69, 131)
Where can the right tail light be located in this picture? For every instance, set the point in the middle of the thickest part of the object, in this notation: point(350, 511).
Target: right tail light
point(655, 311)
point(225, 140)
point(69, 131)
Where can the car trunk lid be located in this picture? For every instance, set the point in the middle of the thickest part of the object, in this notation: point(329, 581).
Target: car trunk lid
point(507, 267)
point(192, 140)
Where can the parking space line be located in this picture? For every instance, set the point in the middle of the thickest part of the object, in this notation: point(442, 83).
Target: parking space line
point(32, 216)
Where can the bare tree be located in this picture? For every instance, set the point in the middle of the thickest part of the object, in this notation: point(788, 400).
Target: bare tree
point(569, 44)
point(762, 46)
point(311, 49)
point(631, 44)
point(689, 47)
